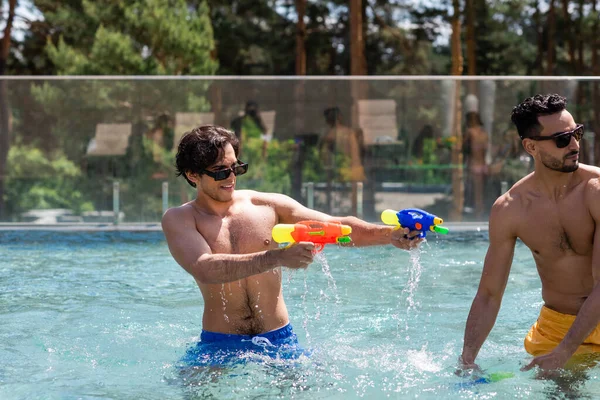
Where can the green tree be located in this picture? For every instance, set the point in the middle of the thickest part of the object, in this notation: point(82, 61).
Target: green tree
point(499, 31)
point(252, 37)
point(39, 181)
point(152, 37)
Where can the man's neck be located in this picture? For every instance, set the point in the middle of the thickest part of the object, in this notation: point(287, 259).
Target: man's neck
point(210, 206)
point(555, 184)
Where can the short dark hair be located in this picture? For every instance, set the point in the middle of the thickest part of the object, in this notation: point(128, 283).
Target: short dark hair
point(202, 147)
point(473, 119)
point(331, 115)
point(525, 115)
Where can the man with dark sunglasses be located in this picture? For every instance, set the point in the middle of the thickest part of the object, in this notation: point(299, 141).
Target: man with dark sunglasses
point(223, 239)
point(555, 211)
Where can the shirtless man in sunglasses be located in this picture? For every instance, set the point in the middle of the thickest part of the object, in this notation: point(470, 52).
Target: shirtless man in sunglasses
point(555, 211)
point(223, 239)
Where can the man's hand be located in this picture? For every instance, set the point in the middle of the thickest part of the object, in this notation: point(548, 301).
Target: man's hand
point(467, 368)
point(298, 255)
point(405, 239)
point(548, 362)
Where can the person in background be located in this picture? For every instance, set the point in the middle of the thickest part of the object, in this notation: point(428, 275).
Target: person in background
point(342, 151)
point(425, 136)
point(249, 126)
point(476, 143)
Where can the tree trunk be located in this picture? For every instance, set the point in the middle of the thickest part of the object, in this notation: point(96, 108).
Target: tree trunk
point(568, 28)
point(4, 106)
point(579, 44)
point(539, 28)
point(550, 33)
point(301, 38)
point(580, 93)
point(358, 62)
point(457, 156)
point(359, 90)
point(471, 51)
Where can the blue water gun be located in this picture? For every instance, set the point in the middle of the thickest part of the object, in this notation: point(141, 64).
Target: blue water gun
point(414, 219)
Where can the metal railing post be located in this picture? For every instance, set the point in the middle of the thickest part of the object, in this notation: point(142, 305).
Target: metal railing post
point(503, 187)
point(310, 195)
point(359, 199)
point(165, 197)
point(116, 194)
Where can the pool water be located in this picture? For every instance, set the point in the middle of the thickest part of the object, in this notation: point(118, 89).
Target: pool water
point(108, 315)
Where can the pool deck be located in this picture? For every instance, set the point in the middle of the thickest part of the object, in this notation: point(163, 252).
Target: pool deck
point(155, 226)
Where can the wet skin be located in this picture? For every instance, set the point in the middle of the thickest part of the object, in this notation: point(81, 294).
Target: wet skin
point(554, 211)
point(223, 239)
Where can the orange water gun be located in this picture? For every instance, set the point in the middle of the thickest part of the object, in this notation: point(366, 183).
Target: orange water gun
point(317, 232)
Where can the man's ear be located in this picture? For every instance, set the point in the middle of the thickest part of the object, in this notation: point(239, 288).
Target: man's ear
point(530, 146)
point(192, 176)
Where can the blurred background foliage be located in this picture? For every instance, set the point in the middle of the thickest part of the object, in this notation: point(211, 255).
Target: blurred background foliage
point(47, 125)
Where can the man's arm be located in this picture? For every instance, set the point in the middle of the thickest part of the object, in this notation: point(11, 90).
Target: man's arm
point(588, 316)
point(189, 248)
point(363, 233)
point(496, 269)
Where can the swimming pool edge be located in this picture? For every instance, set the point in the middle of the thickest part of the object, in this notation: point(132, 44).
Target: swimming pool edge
point(155, 226)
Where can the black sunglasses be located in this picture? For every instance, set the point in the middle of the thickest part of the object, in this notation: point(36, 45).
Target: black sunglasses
point(562, 139)
point(222, 174)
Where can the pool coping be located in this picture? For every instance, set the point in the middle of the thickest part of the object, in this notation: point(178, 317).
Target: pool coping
point(155, 226)
point(81, 226)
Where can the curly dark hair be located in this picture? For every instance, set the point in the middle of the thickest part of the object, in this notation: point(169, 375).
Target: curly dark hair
point(525, 115)
point(202, 147)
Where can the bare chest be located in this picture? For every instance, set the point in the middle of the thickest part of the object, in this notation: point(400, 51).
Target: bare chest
point(553, 230)
point(241, 232)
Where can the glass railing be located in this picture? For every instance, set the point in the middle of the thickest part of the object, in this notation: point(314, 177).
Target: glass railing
point(76, 150)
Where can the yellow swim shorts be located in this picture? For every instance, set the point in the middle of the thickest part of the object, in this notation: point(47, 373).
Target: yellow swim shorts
point(550, 328)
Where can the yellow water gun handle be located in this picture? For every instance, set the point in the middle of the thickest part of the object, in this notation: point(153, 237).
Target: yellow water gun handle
point(282, 233)
point(389, 217)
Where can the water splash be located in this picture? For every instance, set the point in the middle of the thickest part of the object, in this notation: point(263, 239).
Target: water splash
point(256, 306)
point(414, 276)
point(305, 308)
point(423, 360)
point(224, 300)
point(320, 258)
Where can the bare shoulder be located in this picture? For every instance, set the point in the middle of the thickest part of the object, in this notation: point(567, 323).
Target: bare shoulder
point(590, 174)
point(508, 209)
point(274, 201)
point(591, 178)
point(513, 198)
point(263, 198)
point(178, 215)
point(286, 208)
point(505, 205)
point(588, 171)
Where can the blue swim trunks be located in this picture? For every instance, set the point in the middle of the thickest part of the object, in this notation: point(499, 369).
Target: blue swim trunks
point(222, 349)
